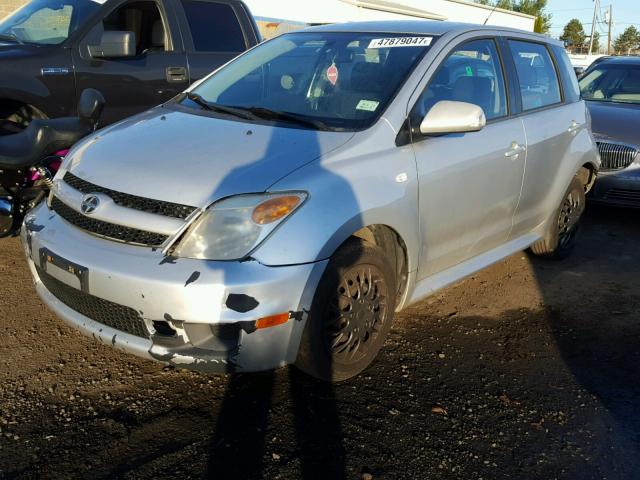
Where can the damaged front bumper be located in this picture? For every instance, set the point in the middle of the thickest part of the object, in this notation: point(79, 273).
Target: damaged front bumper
point(193, 314)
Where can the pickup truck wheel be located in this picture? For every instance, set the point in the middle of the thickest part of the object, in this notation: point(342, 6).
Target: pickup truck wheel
point(351, 313)
point(561, 239)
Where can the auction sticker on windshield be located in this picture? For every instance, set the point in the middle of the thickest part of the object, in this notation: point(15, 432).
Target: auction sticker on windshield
point(400, 42)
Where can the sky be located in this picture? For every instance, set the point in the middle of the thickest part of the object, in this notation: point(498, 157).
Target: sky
point(625, 13)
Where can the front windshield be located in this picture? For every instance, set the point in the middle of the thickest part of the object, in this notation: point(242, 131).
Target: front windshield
point(612, 83)
point(340, 81)
point(46, 22)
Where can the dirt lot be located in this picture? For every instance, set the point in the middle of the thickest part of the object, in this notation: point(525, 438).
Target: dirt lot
point(527, 370)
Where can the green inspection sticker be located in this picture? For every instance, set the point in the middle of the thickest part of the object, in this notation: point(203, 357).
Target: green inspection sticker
point(469, 71)
point(367, 105)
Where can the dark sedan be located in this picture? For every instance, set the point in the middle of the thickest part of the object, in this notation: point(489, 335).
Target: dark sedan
point(612, 90)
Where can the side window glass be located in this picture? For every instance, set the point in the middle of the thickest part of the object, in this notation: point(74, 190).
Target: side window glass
point(537, 75)
point(46, 25)
point(472, 74)
point(569, 78)
point(214, 27)
point(144, 20)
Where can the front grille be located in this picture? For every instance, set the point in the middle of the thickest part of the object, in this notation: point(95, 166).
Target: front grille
point(111, 314)
point(624, 195)
point(106, 229)
point(616, 156)
point(148, 205)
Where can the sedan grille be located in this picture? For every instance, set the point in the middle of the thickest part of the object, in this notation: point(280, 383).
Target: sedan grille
point(148, 205)
point(106, 229)
point(616, 156)
point(108, 313)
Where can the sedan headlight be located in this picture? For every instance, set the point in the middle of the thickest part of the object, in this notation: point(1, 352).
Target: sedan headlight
point(232, 228)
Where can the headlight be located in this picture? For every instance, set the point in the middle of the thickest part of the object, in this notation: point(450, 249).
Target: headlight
point(232, 228)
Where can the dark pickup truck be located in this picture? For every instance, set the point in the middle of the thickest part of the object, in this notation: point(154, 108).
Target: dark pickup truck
point(138, 53)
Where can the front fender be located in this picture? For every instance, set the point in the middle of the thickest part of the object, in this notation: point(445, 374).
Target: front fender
point(23, 80)
point(369, 181)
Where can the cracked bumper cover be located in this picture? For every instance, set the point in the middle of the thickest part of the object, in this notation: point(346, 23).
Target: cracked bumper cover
point(198, 299)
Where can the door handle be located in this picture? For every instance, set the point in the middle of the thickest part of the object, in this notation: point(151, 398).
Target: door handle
point(574, 127)
point(514, 150)
point(176, 74)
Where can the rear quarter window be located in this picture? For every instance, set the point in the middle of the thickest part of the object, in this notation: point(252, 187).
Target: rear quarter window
point(569, 79)
point(214, 26)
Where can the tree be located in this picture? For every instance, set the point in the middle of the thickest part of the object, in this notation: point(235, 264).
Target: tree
point(536, 8)
point(530, 7)
point(573, 34)
point(627, 41)
point(596, 43)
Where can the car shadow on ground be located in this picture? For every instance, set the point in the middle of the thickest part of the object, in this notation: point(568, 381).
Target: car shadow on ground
point(599, 337)
point(238, 444)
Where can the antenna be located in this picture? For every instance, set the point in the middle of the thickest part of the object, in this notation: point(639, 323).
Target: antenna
point(490, 13)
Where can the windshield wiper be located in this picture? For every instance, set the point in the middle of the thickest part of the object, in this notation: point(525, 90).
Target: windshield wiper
point(10, 37)
point(214, 107)
point(268, 114)
point(253, 113)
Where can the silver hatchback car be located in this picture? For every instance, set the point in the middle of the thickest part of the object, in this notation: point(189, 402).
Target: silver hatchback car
point(281, 210)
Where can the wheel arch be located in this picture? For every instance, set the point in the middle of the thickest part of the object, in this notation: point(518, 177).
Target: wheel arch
point(394, 246)
point(587, 174)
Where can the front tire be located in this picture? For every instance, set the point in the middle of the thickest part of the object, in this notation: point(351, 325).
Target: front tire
point(563, 231)
point(351, 313)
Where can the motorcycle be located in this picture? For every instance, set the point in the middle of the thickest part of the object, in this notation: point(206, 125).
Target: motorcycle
point(30, 159)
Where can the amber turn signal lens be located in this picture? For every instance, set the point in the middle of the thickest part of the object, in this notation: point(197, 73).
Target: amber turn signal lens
point(274, 209)
point(272, 321)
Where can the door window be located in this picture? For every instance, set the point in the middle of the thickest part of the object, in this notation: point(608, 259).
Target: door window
point(537, 75)
point(144, 20)
point(472, 74)
point(214, 27)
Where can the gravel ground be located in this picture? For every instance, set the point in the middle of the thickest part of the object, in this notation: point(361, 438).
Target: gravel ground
point(527, 370)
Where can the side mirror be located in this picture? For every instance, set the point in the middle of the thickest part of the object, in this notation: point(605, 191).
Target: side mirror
point(453, 117)
point(90, 105)
point(115, 45)
point(579, 71)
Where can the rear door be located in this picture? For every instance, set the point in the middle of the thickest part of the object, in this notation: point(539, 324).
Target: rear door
point(155, 74)
point(552, 117)
point(218, 32)
point(469, 183)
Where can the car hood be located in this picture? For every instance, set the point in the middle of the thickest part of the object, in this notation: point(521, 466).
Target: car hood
point(192, 159)
point(615, 121)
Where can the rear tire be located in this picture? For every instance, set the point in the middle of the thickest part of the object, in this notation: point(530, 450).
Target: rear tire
point(351, 313)
point(563, 231)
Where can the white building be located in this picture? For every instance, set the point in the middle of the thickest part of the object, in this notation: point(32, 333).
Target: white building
point(276, 16)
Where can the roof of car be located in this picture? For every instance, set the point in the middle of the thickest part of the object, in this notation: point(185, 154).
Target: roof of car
point(621, 60)
point(415, 27)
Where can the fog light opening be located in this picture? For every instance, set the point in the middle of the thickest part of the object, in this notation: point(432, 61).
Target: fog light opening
point(163, 328)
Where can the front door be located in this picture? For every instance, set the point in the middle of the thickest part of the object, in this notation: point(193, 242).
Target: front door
point(130, 85)
point(469, 183)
